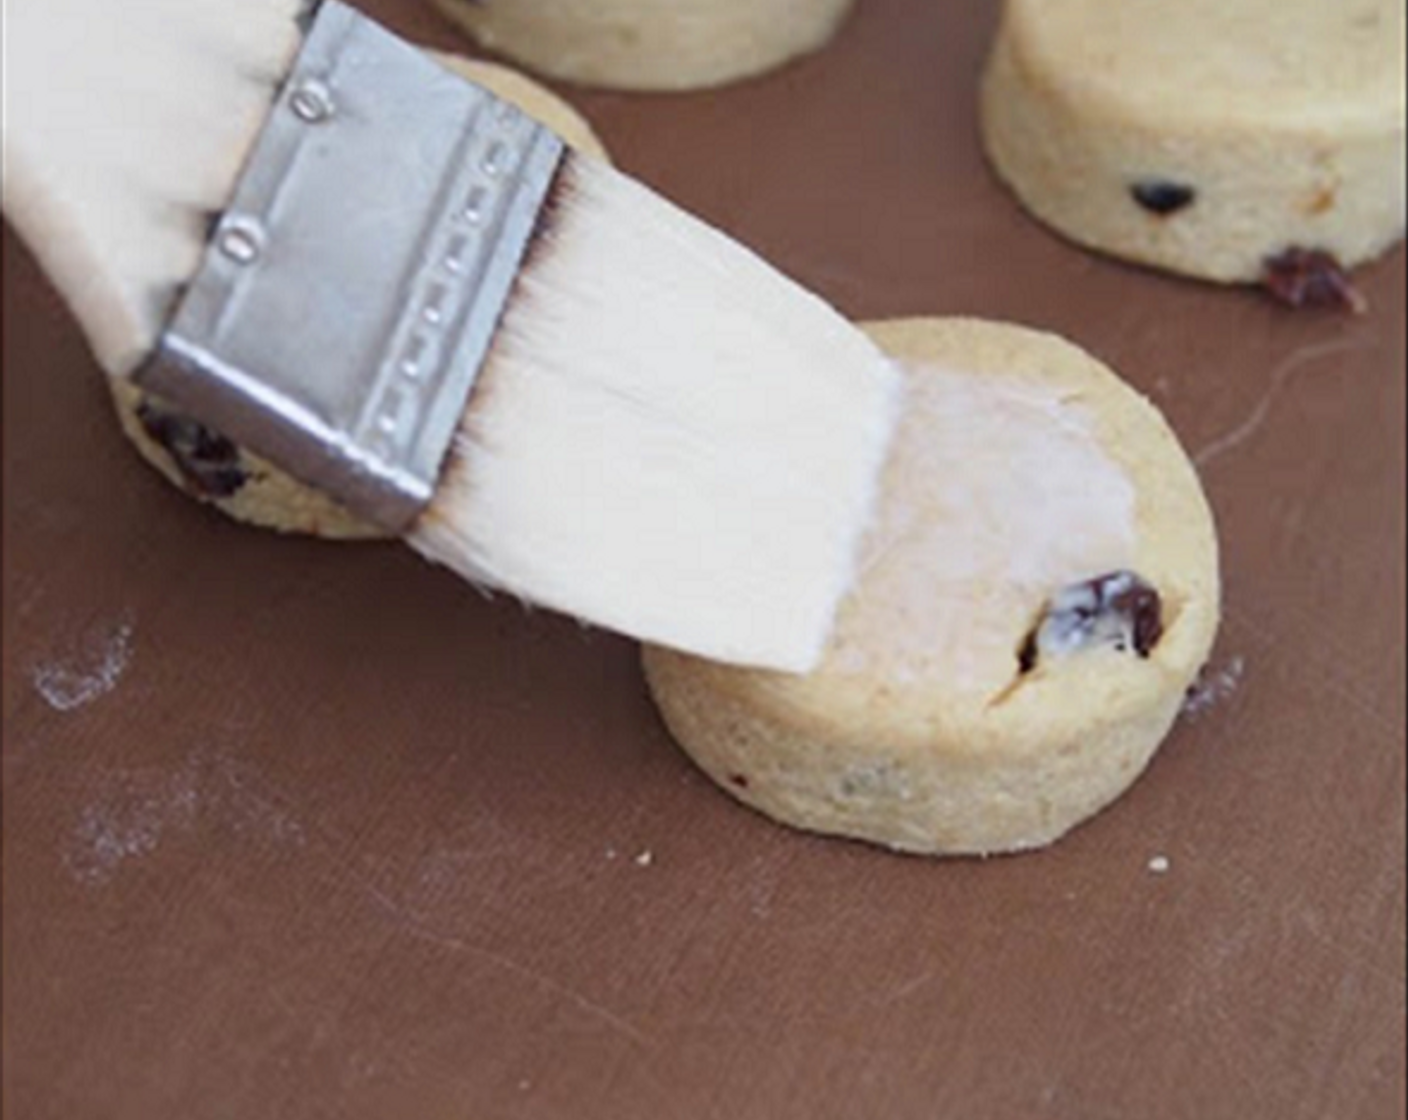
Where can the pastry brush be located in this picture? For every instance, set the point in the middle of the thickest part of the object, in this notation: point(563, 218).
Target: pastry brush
point(285, 221)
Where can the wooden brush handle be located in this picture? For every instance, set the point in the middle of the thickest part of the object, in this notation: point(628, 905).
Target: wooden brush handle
point(127, 123)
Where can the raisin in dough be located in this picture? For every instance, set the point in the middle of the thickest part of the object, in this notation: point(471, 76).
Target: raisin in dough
point(239, 483)
point(1206, 137)
point(650, 44)
point(975, 698)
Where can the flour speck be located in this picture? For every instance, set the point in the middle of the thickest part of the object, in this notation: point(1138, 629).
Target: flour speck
point(1215, 687)
point(129, 819)
point(88, 673)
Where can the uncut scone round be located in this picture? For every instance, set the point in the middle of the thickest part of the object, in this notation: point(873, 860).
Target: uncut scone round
point(1205, 137)
point(970, 702)
point(238, 483)
point(650, 44)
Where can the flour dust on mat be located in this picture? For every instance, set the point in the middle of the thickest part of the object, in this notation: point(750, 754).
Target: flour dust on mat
point(132, 812)
point(1214, 688)
point(89, 670)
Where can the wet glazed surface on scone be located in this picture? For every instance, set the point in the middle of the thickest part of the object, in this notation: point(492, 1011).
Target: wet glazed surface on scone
point(998, 495)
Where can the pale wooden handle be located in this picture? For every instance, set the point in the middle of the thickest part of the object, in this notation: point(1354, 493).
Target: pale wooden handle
point(127, 123)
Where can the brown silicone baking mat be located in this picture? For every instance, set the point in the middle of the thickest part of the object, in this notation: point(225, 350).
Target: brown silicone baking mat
point(294, 829)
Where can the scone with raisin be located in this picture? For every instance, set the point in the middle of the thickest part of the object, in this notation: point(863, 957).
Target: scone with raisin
point(1232, 140)
point(1037, 593)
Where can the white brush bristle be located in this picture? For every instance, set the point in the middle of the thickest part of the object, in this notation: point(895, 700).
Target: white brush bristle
point(669, 439)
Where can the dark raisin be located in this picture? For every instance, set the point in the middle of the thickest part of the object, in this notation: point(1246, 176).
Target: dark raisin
point(739, 780)
point(209, 463)
point(1161, 197)
point(1027, 656)
point(1118, 609)
point(1311, 278)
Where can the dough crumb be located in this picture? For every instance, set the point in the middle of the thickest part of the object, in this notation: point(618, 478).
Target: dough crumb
point(645, 859)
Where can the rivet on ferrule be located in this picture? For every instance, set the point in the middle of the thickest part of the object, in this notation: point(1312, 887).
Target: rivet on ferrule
point(241, 240)
point(311, 102)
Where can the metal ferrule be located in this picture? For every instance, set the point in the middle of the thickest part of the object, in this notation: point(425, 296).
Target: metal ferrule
point(350, 292)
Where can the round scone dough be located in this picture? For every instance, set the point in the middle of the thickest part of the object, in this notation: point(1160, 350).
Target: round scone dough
point(250, 489)
point(1038, 592)
point(650, 44)
point(1213, 138)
